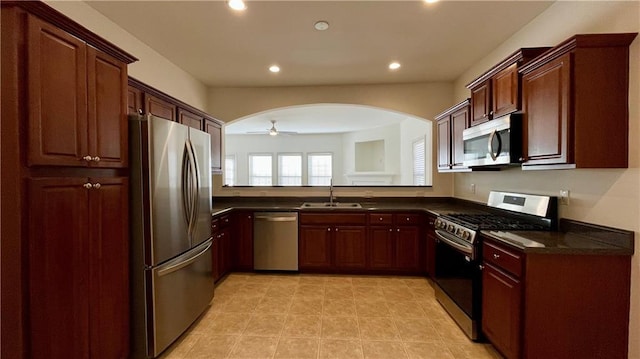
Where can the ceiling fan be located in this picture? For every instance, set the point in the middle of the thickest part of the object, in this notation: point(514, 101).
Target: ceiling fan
point(273, 131)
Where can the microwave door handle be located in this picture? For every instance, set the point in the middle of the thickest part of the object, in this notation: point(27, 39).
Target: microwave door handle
point(494, 154)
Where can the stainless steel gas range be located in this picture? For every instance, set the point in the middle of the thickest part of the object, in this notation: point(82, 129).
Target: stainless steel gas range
point(458, 254)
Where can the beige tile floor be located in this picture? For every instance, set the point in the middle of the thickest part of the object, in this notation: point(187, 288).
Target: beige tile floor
point(322, 316)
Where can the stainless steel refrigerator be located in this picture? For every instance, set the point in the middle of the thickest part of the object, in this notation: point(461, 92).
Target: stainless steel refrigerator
point(171, 263)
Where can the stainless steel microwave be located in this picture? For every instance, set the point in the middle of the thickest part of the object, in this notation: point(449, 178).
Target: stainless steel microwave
point(494, 143)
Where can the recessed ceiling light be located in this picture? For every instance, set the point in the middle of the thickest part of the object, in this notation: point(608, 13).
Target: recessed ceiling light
point(321, 25)
point(430, 1)
point(394, 66)
point(274, 68)
point(238, 5)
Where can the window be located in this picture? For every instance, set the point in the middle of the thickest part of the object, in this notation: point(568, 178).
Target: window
point(320, 170)
point(260, 169)
point(419, 162)
point(290, 169)
point(229, 170)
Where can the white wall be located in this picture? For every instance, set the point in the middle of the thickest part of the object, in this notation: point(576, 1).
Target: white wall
point(391, 137)
point(410, 131)
point(152, 68)
point(603, 196)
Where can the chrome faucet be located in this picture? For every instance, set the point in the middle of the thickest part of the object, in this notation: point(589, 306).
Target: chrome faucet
point(331, 191)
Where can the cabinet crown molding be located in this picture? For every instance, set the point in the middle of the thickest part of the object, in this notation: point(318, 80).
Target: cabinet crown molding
point(522, 56)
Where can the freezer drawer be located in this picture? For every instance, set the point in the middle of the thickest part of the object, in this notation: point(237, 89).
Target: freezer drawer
point(275, 241)
point(181, 290)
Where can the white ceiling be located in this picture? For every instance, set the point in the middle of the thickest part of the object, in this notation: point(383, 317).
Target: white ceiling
point(220, 47)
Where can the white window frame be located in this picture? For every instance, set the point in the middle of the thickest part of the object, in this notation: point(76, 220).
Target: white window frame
point(250, 157)
point(419, 178)
point(233, 173)
point(280, 167)
point(310, 175)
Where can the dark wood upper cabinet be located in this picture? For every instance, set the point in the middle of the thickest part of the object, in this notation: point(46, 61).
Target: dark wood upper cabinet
point(134, 101)
point(57, 92)
point(576, 104)
point(162, 105)
point(497, 91)
point(190, 119)
point(215, 131)
point(481, 103)
point(77, 96)
point(159, 107)
point(449, 126)
point(108, 127)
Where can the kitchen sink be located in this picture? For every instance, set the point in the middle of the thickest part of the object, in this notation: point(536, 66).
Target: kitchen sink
point(331, 205)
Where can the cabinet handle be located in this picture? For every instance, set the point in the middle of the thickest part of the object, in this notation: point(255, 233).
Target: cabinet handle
point(380, 219)
point(96, 159)
point(97, 185)
point(328, 229)
point(398, 230)
point(408, 219)
point(481, 267)
point(336, 229)
point(87, 158)
point(490, 112)
point(390, 230)
point(249, 217)
point(485, 115)
point(87, 185)
point(496, 256)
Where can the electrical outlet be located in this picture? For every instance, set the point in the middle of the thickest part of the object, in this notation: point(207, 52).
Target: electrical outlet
point(564, 197)
point(472, 188)
point(368, 194)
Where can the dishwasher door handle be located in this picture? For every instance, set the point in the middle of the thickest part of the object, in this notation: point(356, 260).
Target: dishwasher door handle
point(275, 219)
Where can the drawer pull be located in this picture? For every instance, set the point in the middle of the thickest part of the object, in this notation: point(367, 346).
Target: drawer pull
point(496, 256)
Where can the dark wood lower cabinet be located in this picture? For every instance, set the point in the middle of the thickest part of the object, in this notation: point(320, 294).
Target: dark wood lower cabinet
point(350, 247)
point(407, 251)
point(380, 253)
point(501, 310)
point(78, 267)
point(314, 247)
point(242, 241)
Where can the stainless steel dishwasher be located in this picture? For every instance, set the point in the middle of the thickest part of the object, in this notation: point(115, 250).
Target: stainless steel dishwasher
point(275, 241)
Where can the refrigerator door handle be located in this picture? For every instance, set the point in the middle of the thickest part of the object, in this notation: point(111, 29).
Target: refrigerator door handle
point(177, 266)
point(186, 190)
point(196, 185)
point(193, 180)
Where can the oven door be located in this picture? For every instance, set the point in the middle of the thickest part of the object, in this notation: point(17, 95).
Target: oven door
point(458, 275)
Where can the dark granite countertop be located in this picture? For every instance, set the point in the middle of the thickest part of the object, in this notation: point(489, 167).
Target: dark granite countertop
point(434, 205)
point(573, 238)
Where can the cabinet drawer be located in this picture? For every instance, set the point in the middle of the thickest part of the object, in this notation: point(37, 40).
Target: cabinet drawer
point(508, 260)
point(333, 218)
point(408, 219)
point(225, 220)
point(380, 219)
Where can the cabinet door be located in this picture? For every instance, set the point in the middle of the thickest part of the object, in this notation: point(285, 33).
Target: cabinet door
point(224, 258)
point(380, 251)
point(505, 91)
point(444, 144)
point(407, 251)
point(59, 268)
point(214, 130)
point(350, 247)
point(501, 311)
point(215, 254)
point(242, 241)
point(459, 122)
point(134, 101)
point(314, 251)
point(158, 107)
point(546, 103)
point(107, 114)
point(109, 268)
point(190, 119)
point(481, 103)
point(57, 91)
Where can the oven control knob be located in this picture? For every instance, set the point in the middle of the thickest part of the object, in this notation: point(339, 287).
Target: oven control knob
point(465, 234)
point(450, 228)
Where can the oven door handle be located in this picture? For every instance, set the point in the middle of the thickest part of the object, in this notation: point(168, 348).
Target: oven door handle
point(467, 250)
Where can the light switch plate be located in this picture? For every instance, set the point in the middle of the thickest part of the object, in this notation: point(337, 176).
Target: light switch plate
point(564, 197)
